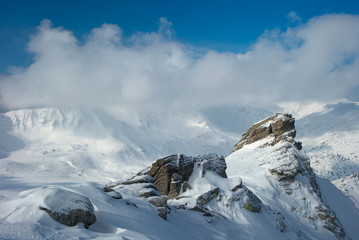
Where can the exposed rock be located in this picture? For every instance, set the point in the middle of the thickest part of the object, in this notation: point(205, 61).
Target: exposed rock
point(171, 169)
point(246, 198)
point(331, 223)
point(158, 201)
point(298, 145)
point(287, 164)
point(212, 163)
point(280, 224)
point(206, 197)
point(186, 186)
point(203, 210)
point(149, 192)
point(162, 212)
point(238, 186)
point(130, 203)
point(114, 194)
point(279, 126)
point(170, 174)
point(69, 208)
point(138, 179)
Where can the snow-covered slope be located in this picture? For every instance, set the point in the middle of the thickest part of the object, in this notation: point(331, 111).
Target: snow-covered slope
point(270, 193)
point(331, 139)
point(349, 185)
point(92, 142)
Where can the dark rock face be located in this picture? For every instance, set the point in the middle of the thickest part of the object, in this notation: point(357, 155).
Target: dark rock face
point(69, 208)
point(208, 196)
point(158, 201)
point(247, 199)
point(279, 126)
point(146, 189)
point(170, 174)
point(331, 223)
point(212, 163)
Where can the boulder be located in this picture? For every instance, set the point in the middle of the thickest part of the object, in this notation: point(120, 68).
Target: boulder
point(68, 208)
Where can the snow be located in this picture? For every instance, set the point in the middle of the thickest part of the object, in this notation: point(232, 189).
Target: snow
point(82, 150)
point(349, 185)
point(330, 139)
point(252, 163)
point(343, 207)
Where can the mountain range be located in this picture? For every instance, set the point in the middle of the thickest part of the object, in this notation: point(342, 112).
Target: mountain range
point(106, 160)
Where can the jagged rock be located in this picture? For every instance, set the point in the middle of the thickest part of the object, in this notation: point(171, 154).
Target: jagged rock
point(247, 199)
point(149, 192)
point(69, 208)
point(174, 168)
point(212, 163)
point(298, 145)
point(203, 210)
point(279, 126)
point(287, 163)
point(170, 174)
point(158, 201)
point(238, 186)
point(206, 197)
point(186, 186)
point(163, 211)
point(331, 223)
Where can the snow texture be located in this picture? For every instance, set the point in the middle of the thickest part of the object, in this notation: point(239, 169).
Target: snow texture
point(82, 150)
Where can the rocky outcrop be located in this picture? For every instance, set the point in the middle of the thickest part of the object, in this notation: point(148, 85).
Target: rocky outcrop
point(247, 199)
point(168, 177)
point(69, 208)
point(207, 196)
point(171, 174)
point(142, 185)
point(279, 127)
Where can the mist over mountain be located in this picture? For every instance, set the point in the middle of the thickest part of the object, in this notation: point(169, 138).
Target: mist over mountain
point(143, 135)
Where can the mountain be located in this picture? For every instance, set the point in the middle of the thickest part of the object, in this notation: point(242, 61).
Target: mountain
point(100, 165)
point(92, 142)
point(331, 139)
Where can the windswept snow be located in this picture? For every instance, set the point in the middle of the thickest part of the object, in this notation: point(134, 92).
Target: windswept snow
point(80, 150)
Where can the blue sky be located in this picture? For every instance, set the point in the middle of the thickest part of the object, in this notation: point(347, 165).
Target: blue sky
point(218, 25)
point(164, 54)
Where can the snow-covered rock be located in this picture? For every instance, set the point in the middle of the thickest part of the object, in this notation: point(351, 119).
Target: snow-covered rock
point(350, 187)
point(67, 207)
point(281, 176)
point(278, 127)
point(264, 190)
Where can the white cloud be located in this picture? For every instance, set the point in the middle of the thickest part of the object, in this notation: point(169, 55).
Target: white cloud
point(316, 61)
point(293, 17)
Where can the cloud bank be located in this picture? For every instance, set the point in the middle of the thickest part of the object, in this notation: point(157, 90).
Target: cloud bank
point(315, 61)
